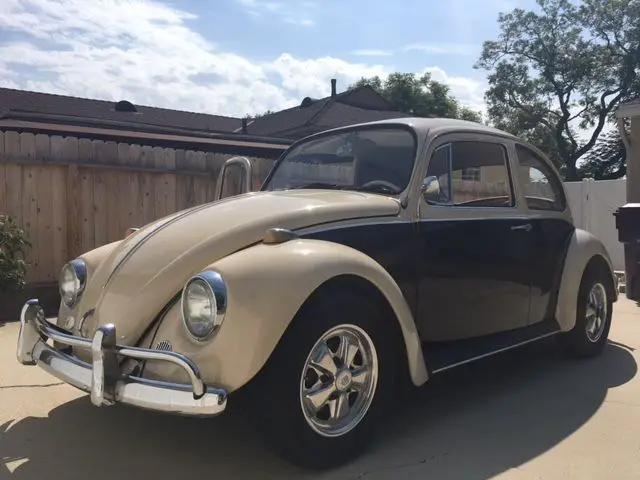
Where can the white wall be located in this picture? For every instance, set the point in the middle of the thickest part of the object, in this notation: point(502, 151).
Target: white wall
point(592, 205)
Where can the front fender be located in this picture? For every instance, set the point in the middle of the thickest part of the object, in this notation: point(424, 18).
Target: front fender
point(93, 259)
point(583, 246)
point(267, 285)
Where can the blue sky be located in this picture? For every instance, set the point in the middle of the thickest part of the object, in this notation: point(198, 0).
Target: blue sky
point(232, 57)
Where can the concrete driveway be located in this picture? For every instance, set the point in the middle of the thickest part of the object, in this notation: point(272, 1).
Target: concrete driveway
point(525, 414)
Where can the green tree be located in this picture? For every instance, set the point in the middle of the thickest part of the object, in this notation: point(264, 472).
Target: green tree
point(419, 95)
point(560, 70)
point(252, 116)
point(607, 160)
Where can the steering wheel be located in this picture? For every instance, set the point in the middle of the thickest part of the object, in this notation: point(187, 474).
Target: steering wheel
point(392, 188)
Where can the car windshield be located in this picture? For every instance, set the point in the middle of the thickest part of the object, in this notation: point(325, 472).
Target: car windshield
point(376, 159)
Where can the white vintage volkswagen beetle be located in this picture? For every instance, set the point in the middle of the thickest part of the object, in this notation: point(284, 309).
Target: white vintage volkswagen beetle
point(374, 253)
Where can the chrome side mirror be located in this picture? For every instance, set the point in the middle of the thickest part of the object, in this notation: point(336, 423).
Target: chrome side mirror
point(247, 172)
point(430, 190)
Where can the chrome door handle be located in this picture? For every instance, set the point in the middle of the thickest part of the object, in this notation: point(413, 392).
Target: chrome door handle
point(525, 226)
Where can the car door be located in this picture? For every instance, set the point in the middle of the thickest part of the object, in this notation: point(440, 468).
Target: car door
point(552, 229)
point(475, 240)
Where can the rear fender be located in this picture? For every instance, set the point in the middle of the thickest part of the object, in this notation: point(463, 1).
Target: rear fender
point(583, 247)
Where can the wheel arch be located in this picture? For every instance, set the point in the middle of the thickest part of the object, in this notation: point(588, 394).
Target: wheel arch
point(362, 287)
point(585, 252)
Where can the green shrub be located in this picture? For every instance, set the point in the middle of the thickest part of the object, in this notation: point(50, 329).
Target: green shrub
point(13, 244)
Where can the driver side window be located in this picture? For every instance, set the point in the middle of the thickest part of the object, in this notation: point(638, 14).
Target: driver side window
point(469, 174)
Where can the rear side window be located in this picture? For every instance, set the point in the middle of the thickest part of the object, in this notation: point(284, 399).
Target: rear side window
point(469, 174)
point(541, 186)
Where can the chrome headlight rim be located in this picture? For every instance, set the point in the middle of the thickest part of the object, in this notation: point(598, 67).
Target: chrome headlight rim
point(79, 269)
point(217, 290)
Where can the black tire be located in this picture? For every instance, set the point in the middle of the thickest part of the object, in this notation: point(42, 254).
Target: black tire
point(576, 342)
point(274, 398)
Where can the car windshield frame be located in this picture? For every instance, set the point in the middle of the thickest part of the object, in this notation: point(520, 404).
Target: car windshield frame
point(295, 148)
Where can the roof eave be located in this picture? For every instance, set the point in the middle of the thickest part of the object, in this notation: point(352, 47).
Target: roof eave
point(139, 127)
point(627, 110)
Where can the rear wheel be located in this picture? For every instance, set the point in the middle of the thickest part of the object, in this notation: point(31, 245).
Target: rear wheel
point(318, 399)
point(593, 314)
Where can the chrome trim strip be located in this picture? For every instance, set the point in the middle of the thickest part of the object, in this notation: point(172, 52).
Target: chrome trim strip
point(367, 221)
point(102, 377)
point(500, 350)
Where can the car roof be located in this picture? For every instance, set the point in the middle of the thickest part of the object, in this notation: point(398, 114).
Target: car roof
point(435, 126)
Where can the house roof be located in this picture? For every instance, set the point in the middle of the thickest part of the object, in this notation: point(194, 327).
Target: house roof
point(75, 110)
point(358, 105)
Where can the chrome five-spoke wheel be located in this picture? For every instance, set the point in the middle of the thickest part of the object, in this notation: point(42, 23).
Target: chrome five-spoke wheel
point(339, 380)
point(596, 312)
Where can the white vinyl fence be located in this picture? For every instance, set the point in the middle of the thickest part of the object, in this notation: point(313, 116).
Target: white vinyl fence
point(592, 205)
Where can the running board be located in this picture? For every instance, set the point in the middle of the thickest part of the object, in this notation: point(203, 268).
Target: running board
point(441, 356)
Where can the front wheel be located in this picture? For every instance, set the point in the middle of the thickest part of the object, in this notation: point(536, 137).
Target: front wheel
point(593, 315)
point(328, 380)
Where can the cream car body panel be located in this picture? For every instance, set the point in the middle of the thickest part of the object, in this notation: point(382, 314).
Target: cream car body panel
point(132, 286)
point(261, 321)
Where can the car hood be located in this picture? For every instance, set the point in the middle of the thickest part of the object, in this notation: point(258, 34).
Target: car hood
point(150, 267)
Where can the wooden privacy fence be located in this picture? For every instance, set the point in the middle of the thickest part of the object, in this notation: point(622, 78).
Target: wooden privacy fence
point(72, 195)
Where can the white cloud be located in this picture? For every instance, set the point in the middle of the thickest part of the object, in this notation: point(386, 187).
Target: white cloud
point(299, 15)
point(430, 48)
point(467, 91)
point(145, 51)
point(443, 49)
point(372, 52)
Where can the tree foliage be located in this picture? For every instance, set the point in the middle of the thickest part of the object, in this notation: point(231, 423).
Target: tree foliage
point(419, 95)
point(13, 244)
point(607, 159)
point(563, 70)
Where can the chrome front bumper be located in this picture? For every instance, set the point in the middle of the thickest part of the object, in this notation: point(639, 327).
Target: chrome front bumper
point(102, 377)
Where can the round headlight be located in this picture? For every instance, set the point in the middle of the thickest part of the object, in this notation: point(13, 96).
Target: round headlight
point(203, 305)
point(72, 281)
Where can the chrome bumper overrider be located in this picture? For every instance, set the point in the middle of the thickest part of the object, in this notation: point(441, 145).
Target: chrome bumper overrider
point(102, 377)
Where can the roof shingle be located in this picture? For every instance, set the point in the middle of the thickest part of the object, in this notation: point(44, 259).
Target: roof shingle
point(12, 100)
point(358, 105)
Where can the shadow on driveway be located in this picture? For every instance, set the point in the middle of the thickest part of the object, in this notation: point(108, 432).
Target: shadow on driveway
point(474, 422)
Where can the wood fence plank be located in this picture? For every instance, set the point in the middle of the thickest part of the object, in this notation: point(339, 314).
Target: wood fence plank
point(169, 180)
point(200, 184)
point(100, 203)
point(3, 187)
point(70, 150)
point(146, 186)
point(158, 184)
point(30, 205)
point(88, 235)
point(58, 204)
point(189, 181)
point(114, 229)
point(124, 199)
point(184, 183)
point(13, 176)
point(135, 208)
point(213, 169)
point(44, 197)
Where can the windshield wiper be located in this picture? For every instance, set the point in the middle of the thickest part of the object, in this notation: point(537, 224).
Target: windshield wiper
point(379, 189)
point(332, 186)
